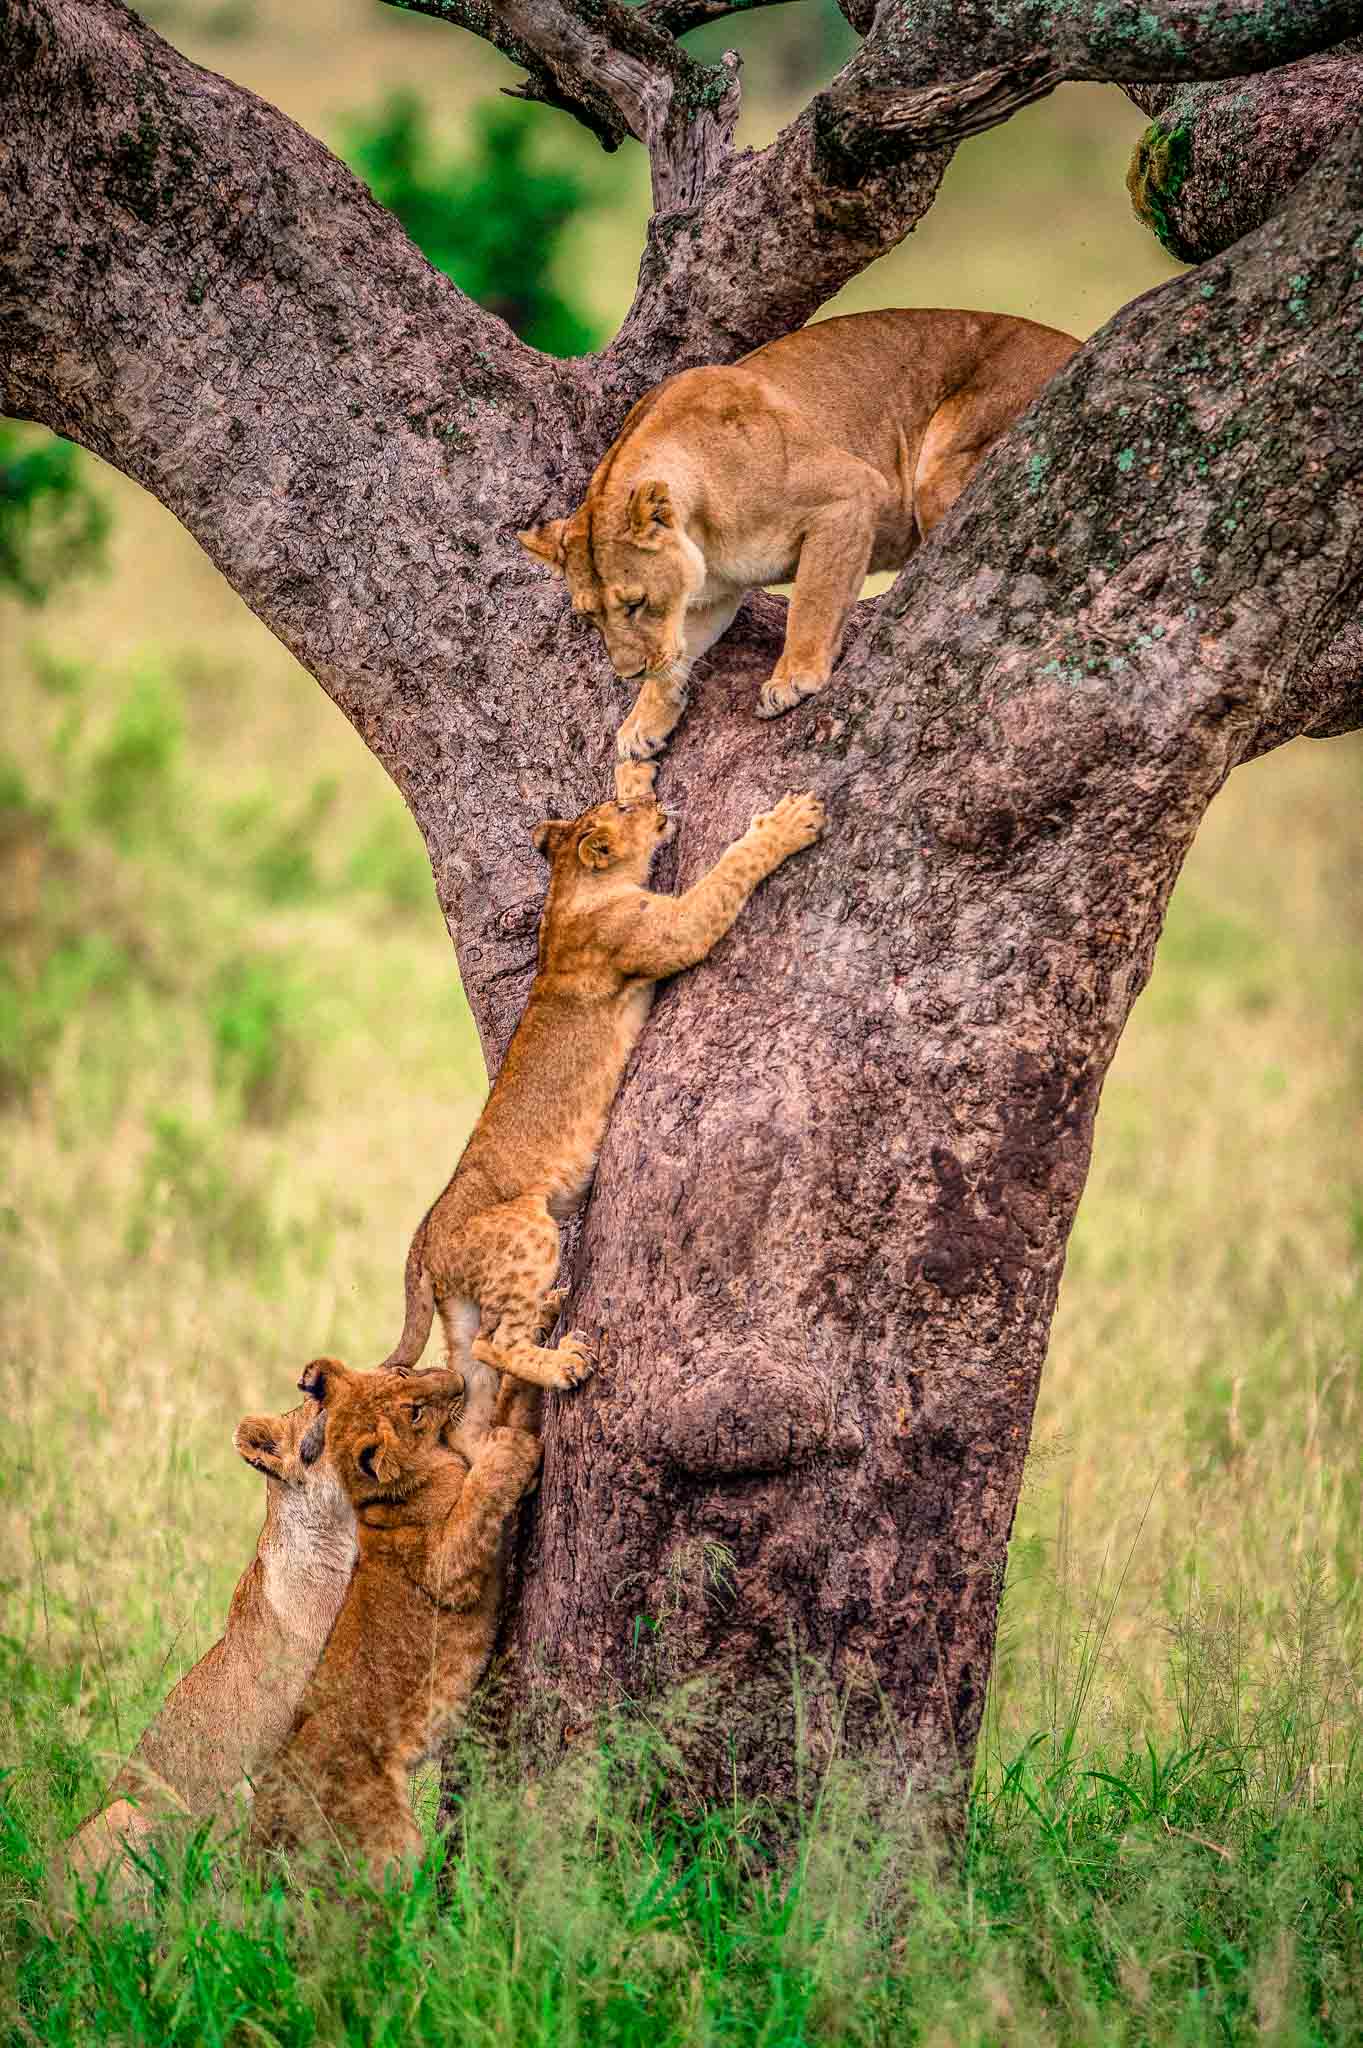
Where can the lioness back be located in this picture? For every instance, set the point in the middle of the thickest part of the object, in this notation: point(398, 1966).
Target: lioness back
point(819, 457)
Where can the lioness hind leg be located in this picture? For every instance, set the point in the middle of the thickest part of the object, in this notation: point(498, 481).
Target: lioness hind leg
point(510, 1257)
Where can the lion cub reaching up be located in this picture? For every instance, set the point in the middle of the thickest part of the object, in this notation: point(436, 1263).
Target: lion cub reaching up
point(486, 1253)
point(829, 453)
point(232, 1711)
point(418, 1623)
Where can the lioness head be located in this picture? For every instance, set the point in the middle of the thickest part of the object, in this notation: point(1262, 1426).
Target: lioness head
point(623, 836)
point(630, 569)
point(385, 1431)
point(285, 1448)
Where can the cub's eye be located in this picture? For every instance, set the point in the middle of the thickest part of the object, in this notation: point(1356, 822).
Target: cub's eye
point(417, 1412)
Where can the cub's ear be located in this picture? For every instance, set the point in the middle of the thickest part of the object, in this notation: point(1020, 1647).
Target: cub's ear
point(322, 1377)
point(598, 848)
point(546, 542)
point(260, 1440)
point(650, 512)
point(547, 836)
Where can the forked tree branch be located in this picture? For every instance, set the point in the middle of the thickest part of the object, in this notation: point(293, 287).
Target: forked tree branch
point(619, 74)
point(1218, 159)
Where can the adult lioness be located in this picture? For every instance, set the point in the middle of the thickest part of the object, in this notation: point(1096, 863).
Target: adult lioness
point(822, 456)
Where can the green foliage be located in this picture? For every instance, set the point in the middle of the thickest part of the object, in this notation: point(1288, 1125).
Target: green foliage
point(259, 1051)
point(192, 1199)
point(130, 778)
point(52, 525)
point(494, 220)
point(391, 861)
point(285, 868)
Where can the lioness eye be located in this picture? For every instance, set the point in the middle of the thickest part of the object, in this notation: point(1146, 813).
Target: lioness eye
point(635, 604)
point(416, 1413)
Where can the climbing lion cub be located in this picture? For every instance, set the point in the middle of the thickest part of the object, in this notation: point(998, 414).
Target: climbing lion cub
point(418, 1623)
point(486, 1254)
point(822, 456)
point(232, 1711)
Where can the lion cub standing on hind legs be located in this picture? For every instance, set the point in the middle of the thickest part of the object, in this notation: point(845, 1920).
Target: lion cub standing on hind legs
point(823, 456)
point(487, 1252)
point(419, 1620)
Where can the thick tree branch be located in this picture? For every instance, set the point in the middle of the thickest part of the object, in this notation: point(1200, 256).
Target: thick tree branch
point(619, 74)
point(1219, 159)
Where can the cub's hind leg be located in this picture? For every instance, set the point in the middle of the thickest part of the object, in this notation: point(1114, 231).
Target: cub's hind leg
point(461, 1320)
point(509, 1256)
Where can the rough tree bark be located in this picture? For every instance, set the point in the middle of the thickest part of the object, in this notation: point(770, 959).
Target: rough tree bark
point(830, 1218)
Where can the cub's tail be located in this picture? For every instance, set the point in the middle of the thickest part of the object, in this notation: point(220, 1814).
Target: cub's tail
point(420, 1309)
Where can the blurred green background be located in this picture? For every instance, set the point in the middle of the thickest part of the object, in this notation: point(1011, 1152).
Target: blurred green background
point(234, 1059)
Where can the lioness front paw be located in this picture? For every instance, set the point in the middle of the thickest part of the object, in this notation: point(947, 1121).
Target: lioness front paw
point(796, 821)
point(639, 739)
point(575, 1358)
point(782, 692)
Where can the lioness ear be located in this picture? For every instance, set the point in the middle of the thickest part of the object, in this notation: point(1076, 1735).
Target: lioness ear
point(650, 511)
point(597, 849)
point(314, 1442)
point(546, 542)
point(320, 1378)
point(257, 1439)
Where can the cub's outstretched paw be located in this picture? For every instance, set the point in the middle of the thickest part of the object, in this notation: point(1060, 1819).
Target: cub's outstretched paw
point(796, 821)
point(576, 1359)
point(783, 692)
point(634, 780)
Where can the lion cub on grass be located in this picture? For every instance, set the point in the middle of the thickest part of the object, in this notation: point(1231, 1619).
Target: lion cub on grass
point(418, 1623)
point(232, 1711)
point(829, 453)
point(486, 1254)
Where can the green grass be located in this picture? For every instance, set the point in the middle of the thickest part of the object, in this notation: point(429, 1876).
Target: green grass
point(1162, 1895)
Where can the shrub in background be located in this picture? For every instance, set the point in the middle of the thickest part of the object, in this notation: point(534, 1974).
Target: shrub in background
point(52, 525)
point(494, 219)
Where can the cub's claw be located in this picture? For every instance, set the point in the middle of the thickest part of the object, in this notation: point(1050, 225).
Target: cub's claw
point(782, 693)
point(797, 820)
point(576, 1358)
point(634, 743)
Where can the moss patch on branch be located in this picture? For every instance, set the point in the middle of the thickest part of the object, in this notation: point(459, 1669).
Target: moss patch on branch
point(1158, 170)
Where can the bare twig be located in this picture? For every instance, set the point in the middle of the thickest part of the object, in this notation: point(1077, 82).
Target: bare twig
point(679, 17)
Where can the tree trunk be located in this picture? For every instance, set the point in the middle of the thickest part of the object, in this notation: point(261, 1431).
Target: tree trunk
point(829, 1221)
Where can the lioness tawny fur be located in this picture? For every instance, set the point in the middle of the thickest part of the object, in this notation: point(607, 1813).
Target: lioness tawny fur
point(829, 453)
point(486, 1253)
point(420, 1617)
point(229, 1714)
